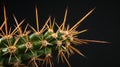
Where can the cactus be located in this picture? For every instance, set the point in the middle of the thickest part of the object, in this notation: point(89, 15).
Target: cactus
point(36, 47)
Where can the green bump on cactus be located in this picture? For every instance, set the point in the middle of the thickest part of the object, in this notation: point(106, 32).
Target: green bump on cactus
point(37, 47)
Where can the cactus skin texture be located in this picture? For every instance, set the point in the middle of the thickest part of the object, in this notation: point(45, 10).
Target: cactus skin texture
point(37, 47)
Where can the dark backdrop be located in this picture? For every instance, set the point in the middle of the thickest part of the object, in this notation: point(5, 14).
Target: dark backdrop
point(102, 24)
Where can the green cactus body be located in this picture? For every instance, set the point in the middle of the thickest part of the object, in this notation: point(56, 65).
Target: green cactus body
point(36, 48)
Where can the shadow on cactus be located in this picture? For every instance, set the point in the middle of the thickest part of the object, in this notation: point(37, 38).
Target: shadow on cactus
point(37, 47)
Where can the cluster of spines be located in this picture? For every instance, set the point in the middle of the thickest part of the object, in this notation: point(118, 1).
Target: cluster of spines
point(34, 49)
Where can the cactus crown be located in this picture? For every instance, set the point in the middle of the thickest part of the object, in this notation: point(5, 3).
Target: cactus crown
point(37, 47)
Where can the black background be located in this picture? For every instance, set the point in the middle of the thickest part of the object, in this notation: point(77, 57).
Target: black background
point(102, 24)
